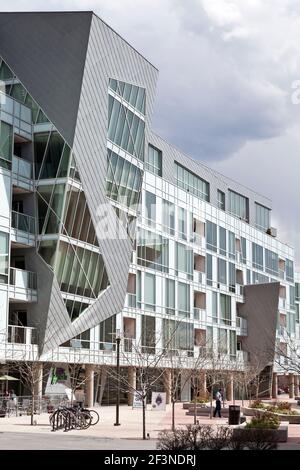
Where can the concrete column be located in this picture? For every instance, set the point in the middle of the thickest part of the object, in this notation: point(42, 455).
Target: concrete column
point(229, 389)
point(102, 384)
point(89, 386)
point(274, 385)
point(185, 386)
point(291, 385)
point(202, 384)
point(38, 380)
point(132, 383)
point(296, 388)
point(168, 385)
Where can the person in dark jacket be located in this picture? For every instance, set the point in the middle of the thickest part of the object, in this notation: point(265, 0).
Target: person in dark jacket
point(218, 404)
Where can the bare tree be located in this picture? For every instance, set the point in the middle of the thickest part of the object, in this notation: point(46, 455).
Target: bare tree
point(148, 361)
point(287, 353)
point(31, 376)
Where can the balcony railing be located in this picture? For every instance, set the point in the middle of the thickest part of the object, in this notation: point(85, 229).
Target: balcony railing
point(22, 279)
point(241, 323)
point(23, 222)
point(200, 314)
point(130, 300)
point(21, 167)
point(21, 335)
point(282, 302)
point(242, 356)
point(199, 277)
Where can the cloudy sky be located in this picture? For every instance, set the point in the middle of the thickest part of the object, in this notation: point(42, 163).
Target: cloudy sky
point(228, 91)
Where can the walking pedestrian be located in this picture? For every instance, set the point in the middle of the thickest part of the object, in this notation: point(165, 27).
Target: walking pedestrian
point(218, 404)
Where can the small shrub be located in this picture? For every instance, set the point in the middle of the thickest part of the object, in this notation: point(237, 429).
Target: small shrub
point(265, 421)
point(283, 405)
point(257, 404)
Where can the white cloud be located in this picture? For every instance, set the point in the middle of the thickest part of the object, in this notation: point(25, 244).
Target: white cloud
point(224, 94)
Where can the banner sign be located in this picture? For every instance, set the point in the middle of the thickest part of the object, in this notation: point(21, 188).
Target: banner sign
point(158, 401)
point(137, 400)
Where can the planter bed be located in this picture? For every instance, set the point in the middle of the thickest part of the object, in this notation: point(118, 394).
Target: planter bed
point(291, 419)
point(280, 434)
point(188, 405)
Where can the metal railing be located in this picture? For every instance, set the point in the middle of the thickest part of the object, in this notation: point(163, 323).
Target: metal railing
point(242, 324)
point(23, 222)
point(130, 300)
point(21, 334)
point(22, 167)
point(22, 278)
point(200, 314)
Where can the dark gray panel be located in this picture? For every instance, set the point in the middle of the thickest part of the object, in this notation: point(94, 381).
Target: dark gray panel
point(47, 53)
point(108, 55)
point(261, 311)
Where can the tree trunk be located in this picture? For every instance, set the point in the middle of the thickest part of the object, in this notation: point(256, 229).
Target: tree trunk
point(32, 409)
point(173, 415)
point(144, 417)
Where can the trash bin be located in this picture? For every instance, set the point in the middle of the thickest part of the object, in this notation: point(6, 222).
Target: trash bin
point(234, 414)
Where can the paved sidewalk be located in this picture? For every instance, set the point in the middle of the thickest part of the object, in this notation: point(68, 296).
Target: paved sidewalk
point(106, 433)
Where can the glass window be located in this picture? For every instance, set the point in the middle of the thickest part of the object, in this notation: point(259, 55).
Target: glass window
point(178, 335)
point(107, 331)
point(222, 341)
point(272, 262)
point(123, 181)
point(289, 269)
point(222, 266)
point(214, 307)
point(6, 136)
point(125, 128)
point(209, 273)
point(225, 309)
point(153, 161)
point(191, 183)
point(183, 299)
point(135, 96)
point(149, 291)
point(262, 217)
point(170, 296)
point(244, 250)
point(248, 276)
point(184, 259)
point(3, 258)
point(152, 250)
point(232, 343)
point(150, 208)
point(221, 200)
point(211, 236)
point(231, 245)
point(182, 223)
point(168, 217)
point(148, 334)
point(222, 241)
point(238, 205)
point(232, 277)
point(257, 256)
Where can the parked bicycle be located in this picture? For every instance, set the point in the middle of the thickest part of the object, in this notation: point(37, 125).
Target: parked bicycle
point(73, 417)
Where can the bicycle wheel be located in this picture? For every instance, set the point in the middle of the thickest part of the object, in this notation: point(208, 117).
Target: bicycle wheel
point(94, 417)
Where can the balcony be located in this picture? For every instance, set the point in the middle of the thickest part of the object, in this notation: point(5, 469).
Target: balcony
point(199, 240)
point(240, 290)
point(24, 229)
point(22, 175)
point(241, 326)
point(282, 303)
point(200, 314)
point(130, 300)
point(22, 285)
point(199, 277)
point(242, 356)
point(21, 335)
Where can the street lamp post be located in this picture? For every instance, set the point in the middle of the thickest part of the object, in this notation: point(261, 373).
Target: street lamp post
point(118, 340)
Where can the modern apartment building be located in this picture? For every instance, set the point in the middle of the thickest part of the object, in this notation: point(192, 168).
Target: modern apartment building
point(108, 231)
